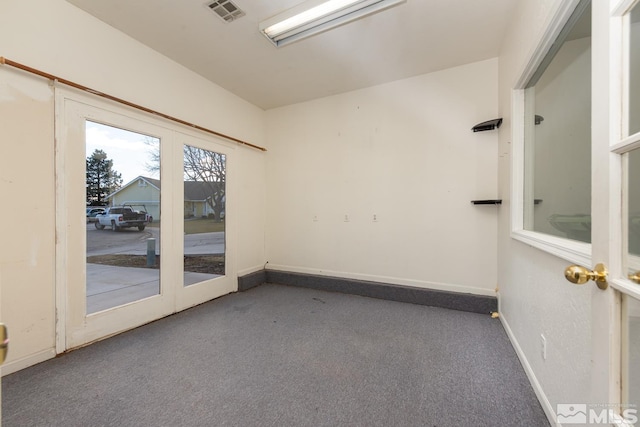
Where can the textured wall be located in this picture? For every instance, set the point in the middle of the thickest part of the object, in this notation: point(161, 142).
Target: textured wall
point(535, 298)
point(27, 219)
point(377, 183)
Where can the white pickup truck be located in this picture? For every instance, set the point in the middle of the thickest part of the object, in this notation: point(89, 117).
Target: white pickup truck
point(125, 216)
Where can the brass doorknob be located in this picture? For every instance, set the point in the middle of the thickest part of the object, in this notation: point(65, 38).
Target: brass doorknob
point(580, 275)
point(635, 277)
point(4, 343)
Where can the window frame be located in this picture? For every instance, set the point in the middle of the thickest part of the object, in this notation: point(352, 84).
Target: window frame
point(570, 250)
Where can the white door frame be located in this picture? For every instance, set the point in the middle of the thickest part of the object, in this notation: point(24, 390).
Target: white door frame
point(188, 296)
point(74, 327)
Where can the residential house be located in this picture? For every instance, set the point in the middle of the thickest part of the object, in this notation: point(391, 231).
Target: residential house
point(141, 191)
point(145, 191)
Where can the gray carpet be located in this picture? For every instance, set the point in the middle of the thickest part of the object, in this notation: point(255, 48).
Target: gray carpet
point(285, 356)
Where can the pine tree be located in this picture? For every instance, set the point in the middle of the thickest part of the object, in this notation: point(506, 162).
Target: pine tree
point(102, 179)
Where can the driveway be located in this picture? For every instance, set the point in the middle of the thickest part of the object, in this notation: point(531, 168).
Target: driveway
point(133, 242)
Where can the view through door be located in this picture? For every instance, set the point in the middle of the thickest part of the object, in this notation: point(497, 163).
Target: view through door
point(204, 214)
point(207, 251)
point(154, 238)
point(123, 216)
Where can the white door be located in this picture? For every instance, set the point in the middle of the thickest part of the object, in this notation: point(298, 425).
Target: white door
point(623, 243)
point(615, 210)
point(140, 259)
point(579, 104)
point(207, 243)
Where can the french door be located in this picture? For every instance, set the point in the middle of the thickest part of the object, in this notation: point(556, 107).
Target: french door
point(616, 210)
point(156, 235)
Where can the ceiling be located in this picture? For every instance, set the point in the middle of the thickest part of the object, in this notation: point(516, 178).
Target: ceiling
point(416, 37)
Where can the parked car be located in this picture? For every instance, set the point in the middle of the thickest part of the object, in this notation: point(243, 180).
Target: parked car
point(93, 212)
point(125, 216)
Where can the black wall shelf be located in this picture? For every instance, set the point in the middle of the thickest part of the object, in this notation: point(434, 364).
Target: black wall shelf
point(497, 202)
point(487, 202)
point(488, 125)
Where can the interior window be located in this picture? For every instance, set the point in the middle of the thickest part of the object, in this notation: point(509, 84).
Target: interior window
point(557, 184)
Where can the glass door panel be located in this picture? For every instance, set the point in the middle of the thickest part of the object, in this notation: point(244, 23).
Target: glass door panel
point(630, 354)
point(630, 331)
point(633, 210)
point(204, 214)
point(123, 217)
point(205, 208)
point(634, 71)
point(108, 261)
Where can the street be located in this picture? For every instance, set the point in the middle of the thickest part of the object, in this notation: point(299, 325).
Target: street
point(134, 242)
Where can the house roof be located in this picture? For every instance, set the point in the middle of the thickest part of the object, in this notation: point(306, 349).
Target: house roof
point(193, 190)
point(197, 190)
point(153, 182)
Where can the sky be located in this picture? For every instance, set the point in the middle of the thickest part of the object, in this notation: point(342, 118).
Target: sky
point(127, 149)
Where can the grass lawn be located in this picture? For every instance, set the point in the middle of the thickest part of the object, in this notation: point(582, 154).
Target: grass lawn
point(197, 225)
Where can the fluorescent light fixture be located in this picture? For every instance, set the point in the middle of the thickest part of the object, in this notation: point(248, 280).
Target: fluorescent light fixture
point(315, 16)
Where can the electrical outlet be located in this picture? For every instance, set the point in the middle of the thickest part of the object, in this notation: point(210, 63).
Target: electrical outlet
point(346, 218)
point(543, 347)
point(375, 218)
point(315, 218)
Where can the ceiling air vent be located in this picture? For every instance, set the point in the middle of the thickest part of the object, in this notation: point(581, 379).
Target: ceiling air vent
point(226, 10)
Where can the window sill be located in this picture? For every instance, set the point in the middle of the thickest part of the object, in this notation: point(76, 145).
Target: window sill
point(570, 250)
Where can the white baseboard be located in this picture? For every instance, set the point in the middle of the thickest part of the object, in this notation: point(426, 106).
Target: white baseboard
point(250, 270)
point(384, 279)
point(25, 362)
point(537, 388)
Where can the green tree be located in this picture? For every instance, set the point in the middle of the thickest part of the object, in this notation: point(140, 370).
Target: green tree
point(102, 179)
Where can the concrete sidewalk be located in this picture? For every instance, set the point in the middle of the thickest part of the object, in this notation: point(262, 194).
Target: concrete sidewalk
point(109, 286)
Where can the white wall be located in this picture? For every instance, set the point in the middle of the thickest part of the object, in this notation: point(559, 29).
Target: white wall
point(535, 298)
point(58, 38)
point(27, 220)
point(404, 152)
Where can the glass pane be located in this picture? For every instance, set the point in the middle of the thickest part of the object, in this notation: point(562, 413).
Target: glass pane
point(634, 72)
point(123, 215)
point(204, 214)
point(631, 353)
point(558, 137)
point(633, 209)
